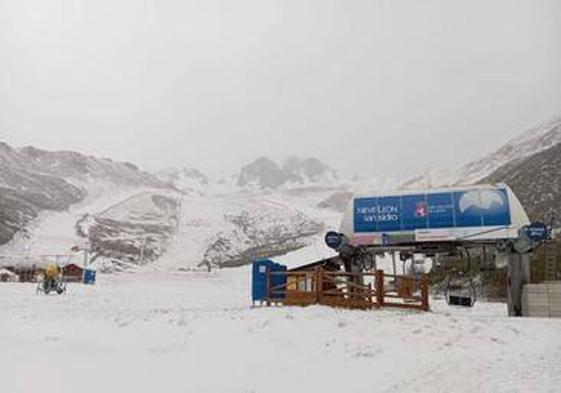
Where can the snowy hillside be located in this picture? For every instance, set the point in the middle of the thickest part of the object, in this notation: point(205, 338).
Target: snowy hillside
point(526, 144)
point(24, 194)
point(232, 230)
point(181, 219)
point(34, 180)
point(536, 181)
point(56, 232)
point(135, 231)
point(259, 231)
point(273, 209)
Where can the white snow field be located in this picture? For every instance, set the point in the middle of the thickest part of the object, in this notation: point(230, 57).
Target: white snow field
point(162, 332)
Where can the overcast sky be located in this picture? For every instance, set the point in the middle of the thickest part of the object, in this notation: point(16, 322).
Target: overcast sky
point(368, 86)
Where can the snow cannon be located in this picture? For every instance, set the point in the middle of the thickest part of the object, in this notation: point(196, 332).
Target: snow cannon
point(52, 281)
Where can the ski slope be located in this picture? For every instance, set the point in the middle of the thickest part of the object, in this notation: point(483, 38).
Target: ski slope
point(196, 332)
point(54, 233)
point(204, 217)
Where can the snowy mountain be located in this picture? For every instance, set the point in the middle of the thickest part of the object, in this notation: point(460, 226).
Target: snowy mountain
point(193, 181)
point(528, 143)
point(23, 194)
point(536, 180)
point(75, 167)
point(265, 173)
point(52, 202)
point(260, 231)
point(530, 164)
point(189, 180)
point(134, 231)
point(34, 180)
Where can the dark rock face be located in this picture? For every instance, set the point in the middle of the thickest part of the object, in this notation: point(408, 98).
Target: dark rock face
point(259, 233)
point(135, 231)
point(263, 173)
point(310, 169)
point(14, 213)
point(267, 174)
point(46, 192)
point(528, 144)
point(23, 194)
point(536, 181)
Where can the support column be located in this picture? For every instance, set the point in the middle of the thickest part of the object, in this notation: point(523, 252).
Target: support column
point(380, 291)
point(518, 275)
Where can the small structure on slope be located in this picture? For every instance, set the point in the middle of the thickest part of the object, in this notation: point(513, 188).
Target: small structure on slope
point(7, 275)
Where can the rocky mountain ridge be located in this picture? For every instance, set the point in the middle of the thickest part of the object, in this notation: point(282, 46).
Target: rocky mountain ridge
point(526, 144)
point(264, 173)
point(536, 181)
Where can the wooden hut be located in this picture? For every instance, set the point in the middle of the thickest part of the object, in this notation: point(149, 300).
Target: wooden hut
point(73, 273)
point(26, 273)
point(7, 275)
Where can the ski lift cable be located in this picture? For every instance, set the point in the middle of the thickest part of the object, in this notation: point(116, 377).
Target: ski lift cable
point(482, 233)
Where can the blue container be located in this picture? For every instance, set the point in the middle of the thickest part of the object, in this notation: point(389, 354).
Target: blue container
point(89, 276)
point(259, 284)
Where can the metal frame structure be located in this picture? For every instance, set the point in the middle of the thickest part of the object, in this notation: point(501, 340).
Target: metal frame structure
point(514, 253)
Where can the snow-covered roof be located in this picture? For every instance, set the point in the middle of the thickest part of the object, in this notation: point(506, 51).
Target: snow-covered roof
point(6, 272)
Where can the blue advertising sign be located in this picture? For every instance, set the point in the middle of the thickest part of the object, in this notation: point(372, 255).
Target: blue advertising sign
point(441, 210)
point(460, 209)
point(414, 212)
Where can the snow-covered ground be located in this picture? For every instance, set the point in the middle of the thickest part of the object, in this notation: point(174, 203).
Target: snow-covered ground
point(164, 330)
point(196, 332)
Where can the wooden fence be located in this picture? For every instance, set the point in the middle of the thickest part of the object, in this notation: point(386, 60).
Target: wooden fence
point(366, 290)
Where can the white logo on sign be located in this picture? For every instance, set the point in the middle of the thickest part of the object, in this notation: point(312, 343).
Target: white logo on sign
point(483, 200)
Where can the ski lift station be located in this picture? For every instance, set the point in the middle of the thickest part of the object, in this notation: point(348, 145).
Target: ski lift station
point(437, 224)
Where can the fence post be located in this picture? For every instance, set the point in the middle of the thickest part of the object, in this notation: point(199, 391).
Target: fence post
point(268, 300)
point(380, 288)
point(319, 284)
point(425, 293)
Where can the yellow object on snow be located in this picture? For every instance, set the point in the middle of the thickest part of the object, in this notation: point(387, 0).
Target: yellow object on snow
point(52, 272)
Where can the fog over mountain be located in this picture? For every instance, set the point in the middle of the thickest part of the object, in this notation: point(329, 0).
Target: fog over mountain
point(233, 125)
point(370, 87)
point(183, 218)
